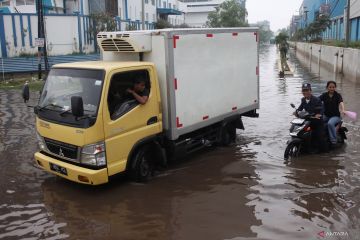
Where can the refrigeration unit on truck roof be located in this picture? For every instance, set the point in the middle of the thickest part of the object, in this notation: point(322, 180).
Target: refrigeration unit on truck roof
point(124, 41)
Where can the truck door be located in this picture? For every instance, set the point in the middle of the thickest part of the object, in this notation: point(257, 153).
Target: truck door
point(126, 121)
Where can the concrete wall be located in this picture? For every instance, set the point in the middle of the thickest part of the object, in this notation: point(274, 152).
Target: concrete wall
point(336, 59)
point(65, 34)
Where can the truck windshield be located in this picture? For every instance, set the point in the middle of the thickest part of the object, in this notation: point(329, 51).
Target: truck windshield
point(61, 84)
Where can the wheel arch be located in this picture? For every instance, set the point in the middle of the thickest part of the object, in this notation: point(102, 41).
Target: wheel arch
point(150, 141)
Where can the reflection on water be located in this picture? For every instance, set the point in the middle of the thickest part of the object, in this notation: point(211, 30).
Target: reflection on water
point(246, 191)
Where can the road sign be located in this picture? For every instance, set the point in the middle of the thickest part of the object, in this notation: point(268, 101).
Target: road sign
point(39, 42)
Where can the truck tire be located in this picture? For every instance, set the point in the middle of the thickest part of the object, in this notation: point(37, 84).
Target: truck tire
point(227, 135)
point(142, 165)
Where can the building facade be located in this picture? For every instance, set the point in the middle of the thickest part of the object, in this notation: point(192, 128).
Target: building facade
point(196, 11)
point(68, 24)
point(310, 10)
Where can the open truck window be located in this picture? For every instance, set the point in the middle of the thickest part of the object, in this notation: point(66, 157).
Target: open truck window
point(119, 100)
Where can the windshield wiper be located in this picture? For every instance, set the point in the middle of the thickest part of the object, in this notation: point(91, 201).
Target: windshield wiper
point(83, 117)
point(66, 111)
point(48, 105)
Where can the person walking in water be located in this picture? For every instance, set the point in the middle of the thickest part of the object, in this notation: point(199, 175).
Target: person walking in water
point(26, 92)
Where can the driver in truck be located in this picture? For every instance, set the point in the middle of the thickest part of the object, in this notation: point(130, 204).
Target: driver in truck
point(139, 91)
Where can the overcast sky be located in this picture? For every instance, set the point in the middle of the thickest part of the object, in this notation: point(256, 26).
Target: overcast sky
point(277, 12)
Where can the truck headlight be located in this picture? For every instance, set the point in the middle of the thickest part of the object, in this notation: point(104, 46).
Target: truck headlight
point(41, 142)
point(94, 154)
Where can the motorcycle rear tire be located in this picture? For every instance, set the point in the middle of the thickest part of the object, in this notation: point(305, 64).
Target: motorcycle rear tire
point(292, 150)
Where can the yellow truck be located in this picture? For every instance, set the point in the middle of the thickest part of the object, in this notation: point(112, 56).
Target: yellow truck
point(198, 84)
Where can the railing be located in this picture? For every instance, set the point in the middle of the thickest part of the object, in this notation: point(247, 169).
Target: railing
point(30, 64)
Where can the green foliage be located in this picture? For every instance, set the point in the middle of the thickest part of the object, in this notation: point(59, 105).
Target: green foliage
point(183, 25)
point(265, 33)
point(228, 14)
point(281, 38)
point(18, 84)
point(131, 27)
point(161, 24)
point(314, 30)
point(102, 22)
point(338, 43)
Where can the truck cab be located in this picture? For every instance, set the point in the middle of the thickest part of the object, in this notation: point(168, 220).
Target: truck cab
point(95, 144)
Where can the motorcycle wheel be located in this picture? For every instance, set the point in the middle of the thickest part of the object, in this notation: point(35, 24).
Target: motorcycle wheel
point(292, 150)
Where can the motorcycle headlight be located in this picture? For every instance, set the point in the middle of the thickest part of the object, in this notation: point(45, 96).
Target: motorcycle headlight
point(41, 142)
point(94, 154)
point(296, 130)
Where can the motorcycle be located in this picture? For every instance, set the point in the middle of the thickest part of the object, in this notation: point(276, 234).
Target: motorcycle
point(300, 132)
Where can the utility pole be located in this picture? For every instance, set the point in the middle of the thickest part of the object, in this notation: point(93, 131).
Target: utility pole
point(347, 36)
point(41, 36)
point(143, 14)
point(306, 19)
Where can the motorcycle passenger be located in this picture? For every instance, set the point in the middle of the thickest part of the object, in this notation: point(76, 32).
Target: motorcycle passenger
point(313, 106)
point(333, 109)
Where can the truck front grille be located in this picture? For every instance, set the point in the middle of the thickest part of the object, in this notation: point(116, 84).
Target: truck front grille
point(63, 150)
point(117, 45)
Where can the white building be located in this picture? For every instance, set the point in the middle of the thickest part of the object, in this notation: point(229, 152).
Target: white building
point(197, 11)
point(127, 10)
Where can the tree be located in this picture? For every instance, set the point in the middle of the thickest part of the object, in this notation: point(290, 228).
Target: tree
point(228, 14)
point(162, 23)
point(299, 35)
point(264, 31)
point(314, 30)
point(281, 38)
point(101, 22)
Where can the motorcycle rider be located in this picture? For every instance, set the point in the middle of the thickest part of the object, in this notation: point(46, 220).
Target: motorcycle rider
point(333, 110)
point(313, 106)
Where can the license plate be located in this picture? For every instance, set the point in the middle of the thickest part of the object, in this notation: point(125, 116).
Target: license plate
point(58, 169)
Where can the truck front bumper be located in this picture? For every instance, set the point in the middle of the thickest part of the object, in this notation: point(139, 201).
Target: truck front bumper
point(70, 171)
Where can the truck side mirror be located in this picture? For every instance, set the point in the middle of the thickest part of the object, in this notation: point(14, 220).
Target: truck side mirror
point(77, 106)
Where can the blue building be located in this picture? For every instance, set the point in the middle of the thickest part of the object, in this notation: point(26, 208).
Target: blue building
point(310, 10)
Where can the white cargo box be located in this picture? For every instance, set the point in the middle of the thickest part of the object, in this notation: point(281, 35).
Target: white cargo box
point(205, 75)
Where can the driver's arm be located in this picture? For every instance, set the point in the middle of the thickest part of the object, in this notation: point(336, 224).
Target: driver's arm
point(141, 99)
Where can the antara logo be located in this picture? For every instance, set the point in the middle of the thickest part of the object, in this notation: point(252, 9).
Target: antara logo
point(61, 154)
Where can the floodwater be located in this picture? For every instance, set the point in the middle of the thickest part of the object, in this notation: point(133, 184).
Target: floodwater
point(246, 191)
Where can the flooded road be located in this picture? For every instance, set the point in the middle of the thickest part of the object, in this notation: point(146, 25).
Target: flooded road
point(246, 191)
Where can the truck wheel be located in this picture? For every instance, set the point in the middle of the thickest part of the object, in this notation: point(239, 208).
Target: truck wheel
point(228, 135)
point(143, 167)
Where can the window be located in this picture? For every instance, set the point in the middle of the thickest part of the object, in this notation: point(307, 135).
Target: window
point(164, 4)
point(146, 1)
point(119, 100)
point(169, 5)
